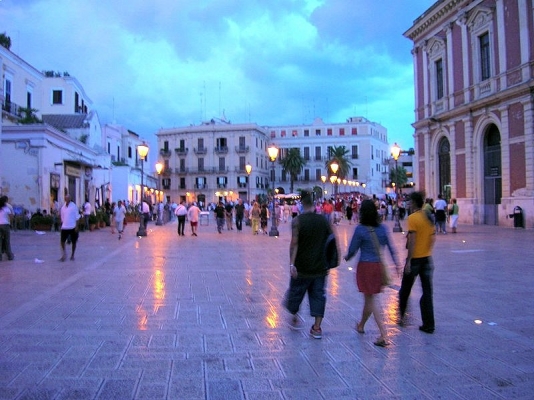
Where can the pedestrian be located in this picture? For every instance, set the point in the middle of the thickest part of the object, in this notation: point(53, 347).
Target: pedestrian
point(228, 215)
point(239, 215)
point(348, 211)
point(193, 214)
point(264, 217)
point(69, 227)
point(454, 213)
point(220, 214)
point(307, 264)
point(6, 216)
point(181, 213)
point(420, 241)
point(255, 218)
point(328, 210)
point(86, 213)
point(367, 238)
point(286, 211)
point(112, 217)
point(119, 214)
point(441, 214)
point(145, 211)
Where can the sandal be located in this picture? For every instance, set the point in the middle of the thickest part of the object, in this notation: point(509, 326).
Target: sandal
point(359, 328)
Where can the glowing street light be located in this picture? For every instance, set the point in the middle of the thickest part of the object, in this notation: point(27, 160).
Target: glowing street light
point(142, 150)
point(273, 155)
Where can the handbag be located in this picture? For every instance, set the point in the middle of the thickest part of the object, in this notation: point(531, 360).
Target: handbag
point(383, 270)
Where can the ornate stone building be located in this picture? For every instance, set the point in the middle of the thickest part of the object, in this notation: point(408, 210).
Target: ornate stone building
point(474, 112)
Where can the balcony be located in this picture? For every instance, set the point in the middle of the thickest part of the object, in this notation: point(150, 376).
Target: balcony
point(354, 156)
point(200, 150)
point(241, 149)
point(181, 151)
point(12, 109)
point(221, 150)
point(201, 186)
point(221, 186)
point(166, 187)
point(181, 170)
point(165, 152)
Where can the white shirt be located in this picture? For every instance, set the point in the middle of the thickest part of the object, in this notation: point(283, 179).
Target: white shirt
point(181, 210)
point(69, 216)
point(4, 216)
point(87, 208)
point(440, 204)
point(119, 213)
point(193, 213)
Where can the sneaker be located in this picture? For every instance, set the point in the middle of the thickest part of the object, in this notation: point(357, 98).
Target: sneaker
point(426, 329)
point(295, 323)
point(316, 333)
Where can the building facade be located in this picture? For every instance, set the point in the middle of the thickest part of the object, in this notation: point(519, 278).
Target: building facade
point(365, 141)
point(207, 162)
point(474, 111)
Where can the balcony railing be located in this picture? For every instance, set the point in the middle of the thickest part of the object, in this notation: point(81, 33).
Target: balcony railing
point(12, 108)
point(181, 170)
point(201, 185)
point(241, 149)
point(200, 150)
point(221, 150)
point(208, 170)
point(165, 152)
point(181, 151)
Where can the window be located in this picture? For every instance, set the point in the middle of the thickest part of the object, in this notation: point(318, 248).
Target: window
point(200, 143)
point(221, 143)
point(283, 133)
point(318, 153)
point(182, 164)
point(439, 78)
point(222, 162)
point(294, 133)
point(201, 163)
point(354, 131)
point(341, 131)
point(354, 173)
point(57, 96)
point(129, 151)
point(242, 142)
point(7, 94)
point(166, 145)
point(306, 153)
point(182, 183)
point(329, 132)
point(306, 132)
point(182, 144)
point(318, 174)
point(76, 100)
point(28, 99)
point(273, 135)
point(354, 152)
point(485, 63)
point(317, 132)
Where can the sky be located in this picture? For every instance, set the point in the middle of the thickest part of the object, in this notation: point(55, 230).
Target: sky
point(157, 64)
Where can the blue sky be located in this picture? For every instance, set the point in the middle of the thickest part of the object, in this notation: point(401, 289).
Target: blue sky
point(163, 63)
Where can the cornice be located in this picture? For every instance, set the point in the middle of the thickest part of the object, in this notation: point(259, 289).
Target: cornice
point(434, 16)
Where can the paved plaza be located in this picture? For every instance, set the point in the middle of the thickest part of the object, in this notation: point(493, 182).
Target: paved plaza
point(169, 317)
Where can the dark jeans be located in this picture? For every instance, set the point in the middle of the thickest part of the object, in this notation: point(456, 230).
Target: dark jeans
point(220, 224)
point(316, 295)
point(181, 224)
point(5, 241)
point(239, 222)
point(423, 267)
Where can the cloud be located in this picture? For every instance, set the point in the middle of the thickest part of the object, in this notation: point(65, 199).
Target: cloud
point(167, 63)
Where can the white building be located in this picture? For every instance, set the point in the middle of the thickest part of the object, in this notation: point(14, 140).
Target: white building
point(366, 142)
point(41, 161)
point(207, 163)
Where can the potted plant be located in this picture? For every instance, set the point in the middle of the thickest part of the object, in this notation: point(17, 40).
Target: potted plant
point(92, 221)
point(132, 216)
point(41, 222)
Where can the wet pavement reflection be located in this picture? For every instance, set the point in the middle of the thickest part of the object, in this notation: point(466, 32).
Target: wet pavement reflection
point(168, 316)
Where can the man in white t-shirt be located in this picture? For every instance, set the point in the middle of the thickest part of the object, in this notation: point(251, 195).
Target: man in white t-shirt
point(86, 213)
point(193, 215)
point(120, 214)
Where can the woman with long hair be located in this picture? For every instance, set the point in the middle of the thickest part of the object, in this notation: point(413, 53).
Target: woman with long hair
point(368, 237)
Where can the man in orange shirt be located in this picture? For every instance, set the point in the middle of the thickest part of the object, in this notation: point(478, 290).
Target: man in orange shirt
point(328, 209)
point(420, 241)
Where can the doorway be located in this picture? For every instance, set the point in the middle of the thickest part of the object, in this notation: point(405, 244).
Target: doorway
point(492, 175)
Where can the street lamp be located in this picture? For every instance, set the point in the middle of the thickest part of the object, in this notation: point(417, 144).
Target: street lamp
point(142, 150)
point(334, 166)
point(159, 168)
point(395, 153)
point(323, 178)
point(248, 168)
point(333, 180)
point(273, 155)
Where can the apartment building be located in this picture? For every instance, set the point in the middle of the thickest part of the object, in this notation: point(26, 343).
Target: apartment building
point(474, 111)
point(366, 142)
point(207, 162)
point(54, 150)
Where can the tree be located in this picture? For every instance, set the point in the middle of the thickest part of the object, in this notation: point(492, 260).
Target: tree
point(29, 116)
point(5, 41)
point(339, 155)
point(293, 163)
point(399, 176)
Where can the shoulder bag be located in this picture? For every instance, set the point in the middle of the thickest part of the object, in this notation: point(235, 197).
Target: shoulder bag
point(384, 272)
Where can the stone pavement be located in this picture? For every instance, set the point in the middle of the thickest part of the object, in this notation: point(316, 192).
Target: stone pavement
point(168, 317)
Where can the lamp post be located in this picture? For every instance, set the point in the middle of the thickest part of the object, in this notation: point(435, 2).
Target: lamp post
point(323, 178)
point(159, 168)
point(142, 150)
point(333, 180)
point(273, 155)
point(248, 168)
point(395, 153)
point(334, 166)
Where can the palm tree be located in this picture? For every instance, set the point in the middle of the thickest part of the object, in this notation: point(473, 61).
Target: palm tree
point(339, 155)
point(398, 175)
point(293, 163)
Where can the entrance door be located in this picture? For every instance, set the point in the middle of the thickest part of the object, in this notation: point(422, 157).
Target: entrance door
point(492, 175)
